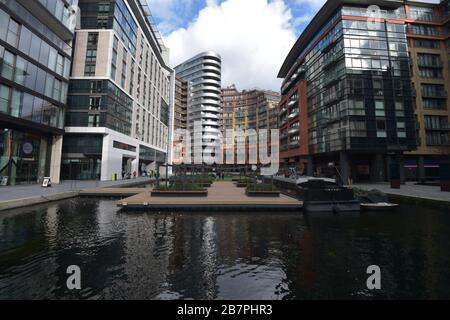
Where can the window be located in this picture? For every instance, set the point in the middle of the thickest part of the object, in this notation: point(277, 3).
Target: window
point(424, 43)
point(102, 22)
point(35, 47)
point(94, 120)
point(89, 70)
point(57, 90)
point(437, 104)
point(92, 39)
point(49, 85)
point(44, 53)
point(436, 122)
point(16, 103)
point(25, 40)
point(401, 129)
point(13, 33)
point(103, 8)
point(379, 108)
point(381, 129)
point(4, 20)
point(94, 103)
point(40, 81)
point(8, 65)
point(96, 86)
point(20, 71)
point(91, 55)
point(4, 98)
point(60, 65)
point(52, 59)
point(30, 77)
point(27, 106)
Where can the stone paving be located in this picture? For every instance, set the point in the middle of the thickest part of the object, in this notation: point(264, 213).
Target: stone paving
point(30, 191)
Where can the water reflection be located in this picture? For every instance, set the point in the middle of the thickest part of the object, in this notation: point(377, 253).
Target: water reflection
point(227, 256)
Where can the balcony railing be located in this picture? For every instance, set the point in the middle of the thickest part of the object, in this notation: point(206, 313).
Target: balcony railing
point(438, 94)
point(436, 64)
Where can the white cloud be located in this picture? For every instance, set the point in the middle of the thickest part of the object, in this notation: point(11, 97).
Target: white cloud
point(252, 36)
point(312, 3)
point(172, 13)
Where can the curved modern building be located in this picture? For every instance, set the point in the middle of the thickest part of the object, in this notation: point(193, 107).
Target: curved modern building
point(203, 74)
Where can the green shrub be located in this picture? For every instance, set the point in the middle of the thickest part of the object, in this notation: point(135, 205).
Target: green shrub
point(180, 187)
point(260, 187)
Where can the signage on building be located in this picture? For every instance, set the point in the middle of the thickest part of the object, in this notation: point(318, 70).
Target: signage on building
point(27, 148)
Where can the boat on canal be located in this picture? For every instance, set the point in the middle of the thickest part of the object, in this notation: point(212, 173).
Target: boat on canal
point(319, 194)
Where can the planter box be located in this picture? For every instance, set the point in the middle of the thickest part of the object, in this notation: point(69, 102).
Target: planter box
point(190, 194)
point(241, 185)
point(266, 194)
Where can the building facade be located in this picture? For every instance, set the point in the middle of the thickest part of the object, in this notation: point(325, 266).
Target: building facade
point(248, 110)
point(428, 32)
point(347, 86)
point(203, 74)
point(119, 120)
point(35, 58)
point(180, 121)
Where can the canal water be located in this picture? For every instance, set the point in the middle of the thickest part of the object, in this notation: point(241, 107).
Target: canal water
point(135, 255)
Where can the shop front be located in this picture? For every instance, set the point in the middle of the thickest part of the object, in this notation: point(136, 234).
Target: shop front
point(25, 157)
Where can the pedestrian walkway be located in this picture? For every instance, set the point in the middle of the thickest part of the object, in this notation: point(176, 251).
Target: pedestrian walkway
point(221, 196)
point(409, 190)
point(25, 195)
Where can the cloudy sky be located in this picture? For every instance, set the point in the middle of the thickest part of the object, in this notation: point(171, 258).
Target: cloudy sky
point(253, 36)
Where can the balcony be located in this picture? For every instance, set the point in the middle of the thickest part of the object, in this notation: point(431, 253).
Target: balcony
point(293, 115)
point(435, 95)
point(293, 130)
point(294, 144)
point(436, 64)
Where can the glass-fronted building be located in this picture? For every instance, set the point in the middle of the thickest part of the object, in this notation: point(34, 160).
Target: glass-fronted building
point(347, 87)
point(121, 94)
point(35, 59)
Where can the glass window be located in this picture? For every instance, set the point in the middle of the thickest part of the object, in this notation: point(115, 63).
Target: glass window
point(379, 109)
point(20, 70)
point(66, 68)
point(52, 59)
point(25, 40)
point(13, 33)
point(16, 103)
point(4, 98)
point(44, 53)
point(57, 90)
point(8, 65)
point(49, 85)
point(40, 83)
point(4, 20)
point(30, 77)
point(60, 65)
point(27, 107)
point(35, 47)
point(37, 109)
point(381, 129)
